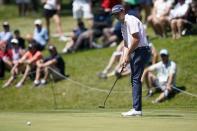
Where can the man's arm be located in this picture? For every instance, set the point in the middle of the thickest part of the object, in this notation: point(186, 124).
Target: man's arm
point(48, 63)
point(170, 81)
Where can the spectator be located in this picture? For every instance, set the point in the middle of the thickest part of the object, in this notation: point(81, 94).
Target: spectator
point(55, 62)
point(76, 33)
point(82, 8)
point(52, 9)
point(146, 4)
point(40, 35)
point(101, 20)
point(21, 41)
point(159, 18)
point(165, 79)
point(17, 51)
point(23, 6)
point(5, 58)
point(29, 58)
point(176, 18)
point(108, 4)
point(6, 35)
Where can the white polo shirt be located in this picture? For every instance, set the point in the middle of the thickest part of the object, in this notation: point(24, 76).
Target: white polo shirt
point(163, 71)
point(130, 26)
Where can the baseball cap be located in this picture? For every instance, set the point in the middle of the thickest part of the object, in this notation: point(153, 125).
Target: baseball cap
point(51, 48)
point(163, 52)
point(38, 22)
point(117, 8)
point(15, 41)
point(5, 23)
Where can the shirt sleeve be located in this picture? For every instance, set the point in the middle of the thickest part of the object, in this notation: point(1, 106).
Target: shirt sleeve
point(154, 67)
point(173, 69)
point(132, 26)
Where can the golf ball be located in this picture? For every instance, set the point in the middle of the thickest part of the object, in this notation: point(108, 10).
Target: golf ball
point(29, 123)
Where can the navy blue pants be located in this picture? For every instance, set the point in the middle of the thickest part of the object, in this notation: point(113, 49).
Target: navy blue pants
point(137, 63)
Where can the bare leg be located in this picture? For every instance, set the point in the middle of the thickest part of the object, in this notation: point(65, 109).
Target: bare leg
point(163, 24)
point(46, 73)
point(48, 25)
point(57, 20)
point(149, 78)
point(173, 28)
point(179, 26)
point(27, 70)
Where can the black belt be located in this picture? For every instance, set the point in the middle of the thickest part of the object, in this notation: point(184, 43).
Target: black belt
point(143, 47)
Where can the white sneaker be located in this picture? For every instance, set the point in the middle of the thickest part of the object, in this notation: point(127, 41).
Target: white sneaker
point(65, 50)
point(132, 112)
point(113, 44)
point(18, 85)
point(63, 38)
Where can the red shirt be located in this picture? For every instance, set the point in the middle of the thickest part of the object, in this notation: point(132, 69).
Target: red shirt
point(37, 56)
point(7, 54)
point(108, 4)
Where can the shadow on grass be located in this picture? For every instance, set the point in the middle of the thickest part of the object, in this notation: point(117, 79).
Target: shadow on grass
point(175, 92)
point(167, 115)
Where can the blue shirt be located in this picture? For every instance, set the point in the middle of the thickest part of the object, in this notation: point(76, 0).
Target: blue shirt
point(101, 18)
point(41, 36)
point(6, 36)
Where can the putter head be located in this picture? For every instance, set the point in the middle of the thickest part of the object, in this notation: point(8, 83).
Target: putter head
point(102, 107)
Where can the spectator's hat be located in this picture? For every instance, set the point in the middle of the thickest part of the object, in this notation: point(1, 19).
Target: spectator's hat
point(163, 52)
point(38, 22)
point(5, 24)
point(117, 8)
point(52, 48)
point(14, 41)
point(16, 31)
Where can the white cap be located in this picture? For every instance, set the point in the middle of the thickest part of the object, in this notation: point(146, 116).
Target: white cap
point(163, 52)
point(38, 22)
point(14, 41)
point(5, 23)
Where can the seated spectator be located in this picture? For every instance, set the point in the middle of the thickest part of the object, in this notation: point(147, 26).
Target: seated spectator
point(177, 19)
point(101, 20)
point(116, 56)
point(40, 35)
point(76, 33)
point(5, 58)
point(6, 35)
point(17, 51)
point(55, 62)
point(159, 18)
point(21, 41)
point(165, 79)
point(29, 58)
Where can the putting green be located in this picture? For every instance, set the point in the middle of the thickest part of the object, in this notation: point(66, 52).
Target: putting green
point(180, 119)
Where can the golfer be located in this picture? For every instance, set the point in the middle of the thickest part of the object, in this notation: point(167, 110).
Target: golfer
point(135, 51)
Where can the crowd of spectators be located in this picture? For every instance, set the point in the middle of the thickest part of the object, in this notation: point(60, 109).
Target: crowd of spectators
point(163, 16)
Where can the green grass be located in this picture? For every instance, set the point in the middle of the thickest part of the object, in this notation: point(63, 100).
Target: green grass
point(97, 120)
point(83, 67)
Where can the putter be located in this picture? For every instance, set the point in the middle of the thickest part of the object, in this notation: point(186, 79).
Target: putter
point(111, 90)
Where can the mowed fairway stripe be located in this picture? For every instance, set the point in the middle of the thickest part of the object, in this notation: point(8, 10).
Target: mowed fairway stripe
point(153, 120)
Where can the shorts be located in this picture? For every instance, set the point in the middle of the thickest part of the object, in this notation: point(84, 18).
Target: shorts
point(146, 2)
point(81, 10)
point(23, 1)
point(160, 85)
point(49, 13)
